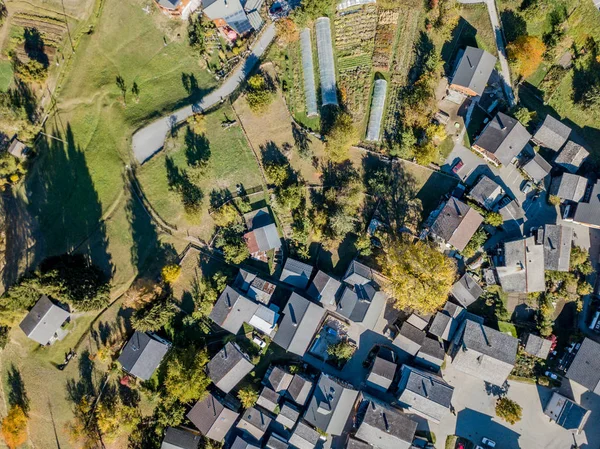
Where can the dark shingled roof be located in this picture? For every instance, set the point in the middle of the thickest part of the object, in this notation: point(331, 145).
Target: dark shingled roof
point(232, 310)
point(490, 342)
point(180, 439)
point(268, 399)
point(304, 436)
point(456, 223)
point(43, 320)
point(589, 213)
point(585, 369)
point(330, 405)
point(383, 426)
point(288, 415)
point(229, 367)
point(276, 442)
point(299, 389)
point(537, 346)
point(486, 192)
point(557, 247)
point(353, 443)
point(363, 305)
point(537, 168)
point(409, 338)
point(211, 418)
point(466, 291)
point(240, 443)
point(324, 288)
point(254, 421)
point(301, 318)
point(382, 373)
point(552, 133)
point(296, 273)
point(474, 69)
point(358, 274)
point(571, 156)
point(432, 352)
point(569, 187)
point(278, 379)
point(504, 137)
point(425, 393)
point(142, 355)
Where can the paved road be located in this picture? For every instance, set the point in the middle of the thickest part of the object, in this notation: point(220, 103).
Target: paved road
point(151, 138)
point(505, 71)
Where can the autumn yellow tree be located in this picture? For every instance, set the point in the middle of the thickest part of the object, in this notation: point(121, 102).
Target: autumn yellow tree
point(420, 277)
point(526, 53)
point(14, 427)
point(170, 273)
point(340, 137)
point(287, 31)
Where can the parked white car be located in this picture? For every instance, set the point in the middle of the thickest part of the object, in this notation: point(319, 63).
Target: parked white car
point(551, 375)
point(488, 442)
point(261, 344)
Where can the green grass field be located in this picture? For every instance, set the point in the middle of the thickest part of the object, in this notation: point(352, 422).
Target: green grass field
point(231, 162)
point(6, 75)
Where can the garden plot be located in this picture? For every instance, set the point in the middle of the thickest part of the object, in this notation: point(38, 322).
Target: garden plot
point(354, 42)
point(51, 32)
point(385, 36)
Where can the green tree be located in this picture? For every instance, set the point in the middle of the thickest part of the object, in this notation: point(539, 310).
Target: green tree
point(196, 32)
point(341, 351)
point(258, 93)
point(232, 243)
point(363, 244)
point(225, 215)
point(340, 137)
point(291, 196)
point(248, 396)
point(114, 417)
point(4, 336)
point(476, 242)
point(494, 219)
point(153, 317)
point(277, 173)
point(342, 223)
point(524, 115)
point(186, 379)
point(420, 277)
point(580, 261)
point(508, 410)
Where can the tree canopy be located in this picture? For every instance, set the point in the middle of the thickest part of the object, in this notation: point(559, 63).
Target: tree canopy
point(340, 137)
point(14, 427)
point(186, 378)
point(509, 410)
point(420, 277)
point(526, 53)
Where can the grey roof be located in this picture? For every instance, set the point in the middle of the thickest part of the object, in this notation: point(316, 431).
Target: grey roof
point(169, 4)
point(384, 427)
point(512, 211)
point(589, 213)
point(466, 291)
point(585, 369)
point(552, 133)
point(18, 149)
point(571, 156)
point(301, 319)
point(566, 413)
point(43, 320)
point(523, 270)
point(304, 436)
point(537, 168)
point(363, 305)
point(358, 274)
point(243, 280)
point(409, 338)
point(266, 238)
point(229, 367)
point(569, 187)
point(537, 346)
point(486, 192)
point(254, 421)
point(276, 442)
point(232, 310)
point(353, 443)
point(268, 399)
point(278, 379)
point(557, 247)
point(446, 322)
point(261, 290)
point(258, 218)
point(142, 355)
point(231, 11)
point(484, 352)
point(288, 415)
point(324, 288)
point(418, 320)
point(212, 418)
point(296, 273)
point(330, 405)
point(240, 443)
point(431, 353)
point(425, 393)
point(299, 389)
point(456, 223)
point(504, 137)
point(180, 439)
point(474, 69)
point(382, 374)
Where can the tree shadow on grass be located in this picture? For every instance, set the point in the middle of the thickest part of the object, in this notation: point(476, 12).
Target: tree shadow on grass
point(179, 181)
point(197, 149)
point(84, 386)
point(513, 24)
point(17, 395)
point(34, 46)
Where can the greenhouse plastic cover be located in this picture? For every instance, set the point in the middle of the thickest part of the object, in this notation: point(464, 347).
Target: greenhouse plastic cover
point(377, 105)
point(349, 3)
point(326, 65)
point(308, 70)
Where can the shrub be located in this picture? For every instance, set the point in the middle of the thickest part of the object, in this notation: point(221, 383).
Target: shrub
point(494, 219)
point(248, 396)
point(508, 410)
point(14, 427)
point(170, 273)
point(554, 200)
point(258, 93)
